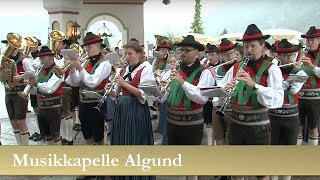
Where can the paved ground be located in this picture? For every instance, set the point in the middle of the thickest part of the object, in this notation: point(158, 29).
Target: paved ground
point(7, 138)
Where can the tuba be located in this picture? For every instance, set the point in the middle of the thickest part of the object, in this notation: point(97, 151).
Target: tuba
point(59, 71)
point(8, 66)
point(25, 93)
point(30, 43)
point(55, 38)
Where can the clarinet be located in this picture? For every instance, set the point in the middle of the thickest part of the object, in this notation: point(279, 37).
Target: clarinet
point(106, 94)
point(220, 112)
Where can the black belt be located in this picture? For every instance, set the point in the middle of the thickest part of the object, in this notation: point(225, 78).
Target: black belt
point(85, 99)
point(285, 111)
point(16, 89)
point(250, 117)
point(50, 102)
point(309, 94)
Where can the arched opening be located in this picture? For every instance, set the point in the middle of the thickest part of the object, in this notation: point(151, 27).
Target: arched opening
point(55, 26)
point(108, 24)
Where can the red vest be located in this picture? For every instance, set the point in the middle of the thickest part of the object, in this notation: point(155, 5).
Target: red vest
point(194, 106)
point(134, 82)
point(58, 92)
point(263, 80)
point(307, 84)
point(89, 67)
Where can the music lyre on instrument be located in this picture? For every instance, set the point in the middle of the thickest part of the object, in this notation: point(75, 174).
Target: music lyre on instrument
point(220, 112)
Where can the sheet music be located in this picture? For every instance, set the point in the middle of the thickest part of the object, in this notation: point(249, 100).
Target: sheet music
point(294, 78)
point(69, 54)
point(92, 94)
point(152, 90)
point(113, 57)
point(214, 91)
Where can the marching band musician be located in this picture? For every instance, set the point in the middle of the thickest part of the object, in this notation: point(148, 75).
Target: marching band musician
point(92, 76)
point(185, 115)
point(48, 88)
point(212, 61)
point(134, 126)
point(66, 118)
point(201, 55)
point(285, 120)
point(221, 124)
point(259, 88)
point(309, 98)
point(17, 106)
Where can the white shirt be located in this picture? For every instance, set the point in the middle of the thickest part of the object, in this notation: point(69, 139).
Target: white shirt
point(27, 66)
point(59, 62)
point(316, 71)
point(147, 78)
point(48, 87)
point(35, 63)
point(90, 80)
point(271, 96)
point(193, 92)
point(203, 60)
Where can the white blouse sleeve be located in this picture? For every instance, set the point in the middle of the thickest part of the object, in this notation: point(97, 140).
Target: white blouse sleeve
point(51, 86)
point(93, 80)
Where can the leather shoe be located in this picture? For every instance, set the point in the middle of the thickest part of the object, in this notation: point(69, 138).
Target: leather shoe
point(38, 137)
point(33, 135)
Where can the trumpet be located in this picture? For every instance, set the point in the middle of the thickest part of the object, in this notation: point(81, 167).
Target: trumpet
point(106, 94)
point(59, 71)
point(303, 54)
point(25, 93)
point(220, 112)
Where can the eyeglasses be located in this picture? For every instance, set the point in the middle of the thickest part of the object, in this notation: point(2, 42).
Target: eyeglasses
point(186, 51)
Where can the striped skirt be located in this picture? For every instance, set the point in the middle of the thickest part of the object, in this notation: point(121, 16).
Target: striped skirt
point(131, 123)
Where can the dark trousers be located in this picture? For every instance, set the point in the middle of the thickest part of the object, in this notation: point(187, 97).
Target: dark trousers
point(207, 112)
point(284, 130)
point(92, 121)
point(185, 135)
point(249, 135)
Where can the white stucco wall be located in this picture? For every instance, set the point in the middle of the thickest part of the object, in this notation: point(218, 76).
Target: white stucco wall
point(127, 17)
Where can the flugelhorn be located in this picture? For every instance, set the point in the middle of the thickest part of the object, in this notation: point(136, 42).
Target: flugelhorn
point(113, 83)
point(25, 93)
point(59, 71)
point(303, 54)
point(226, 101)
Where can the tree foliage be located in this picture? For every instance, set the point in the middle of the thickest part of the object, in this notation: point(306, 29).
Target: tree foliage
point(196, 26)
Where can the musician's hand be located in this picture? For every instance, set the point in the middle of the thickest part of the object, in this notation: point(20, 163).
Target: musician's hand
point(120, 81)
point(244, 76)
point(157, 72)
point(175, 75)
point(230, 85)
point(107, 86)
point(32, 81)
point(75, 64)
point(212, 70)
point(307, 62)
point(17, 78)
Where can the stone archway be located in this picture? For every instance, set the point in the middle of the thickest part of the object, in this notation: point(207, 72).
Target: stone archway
point(107, 17)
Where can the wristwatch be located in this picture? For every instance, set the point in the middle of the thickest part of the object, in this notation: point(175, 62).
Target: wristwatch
point(256, 87)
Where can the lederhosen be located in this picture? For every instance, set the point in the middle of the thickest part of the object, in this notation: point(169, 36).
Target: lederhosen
point(92, 121)
point(221, 125)
point(309, 96)
point(285, 120)
point(49, 116)
point(250, 123)
point(16, 106)
point(185, 117)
